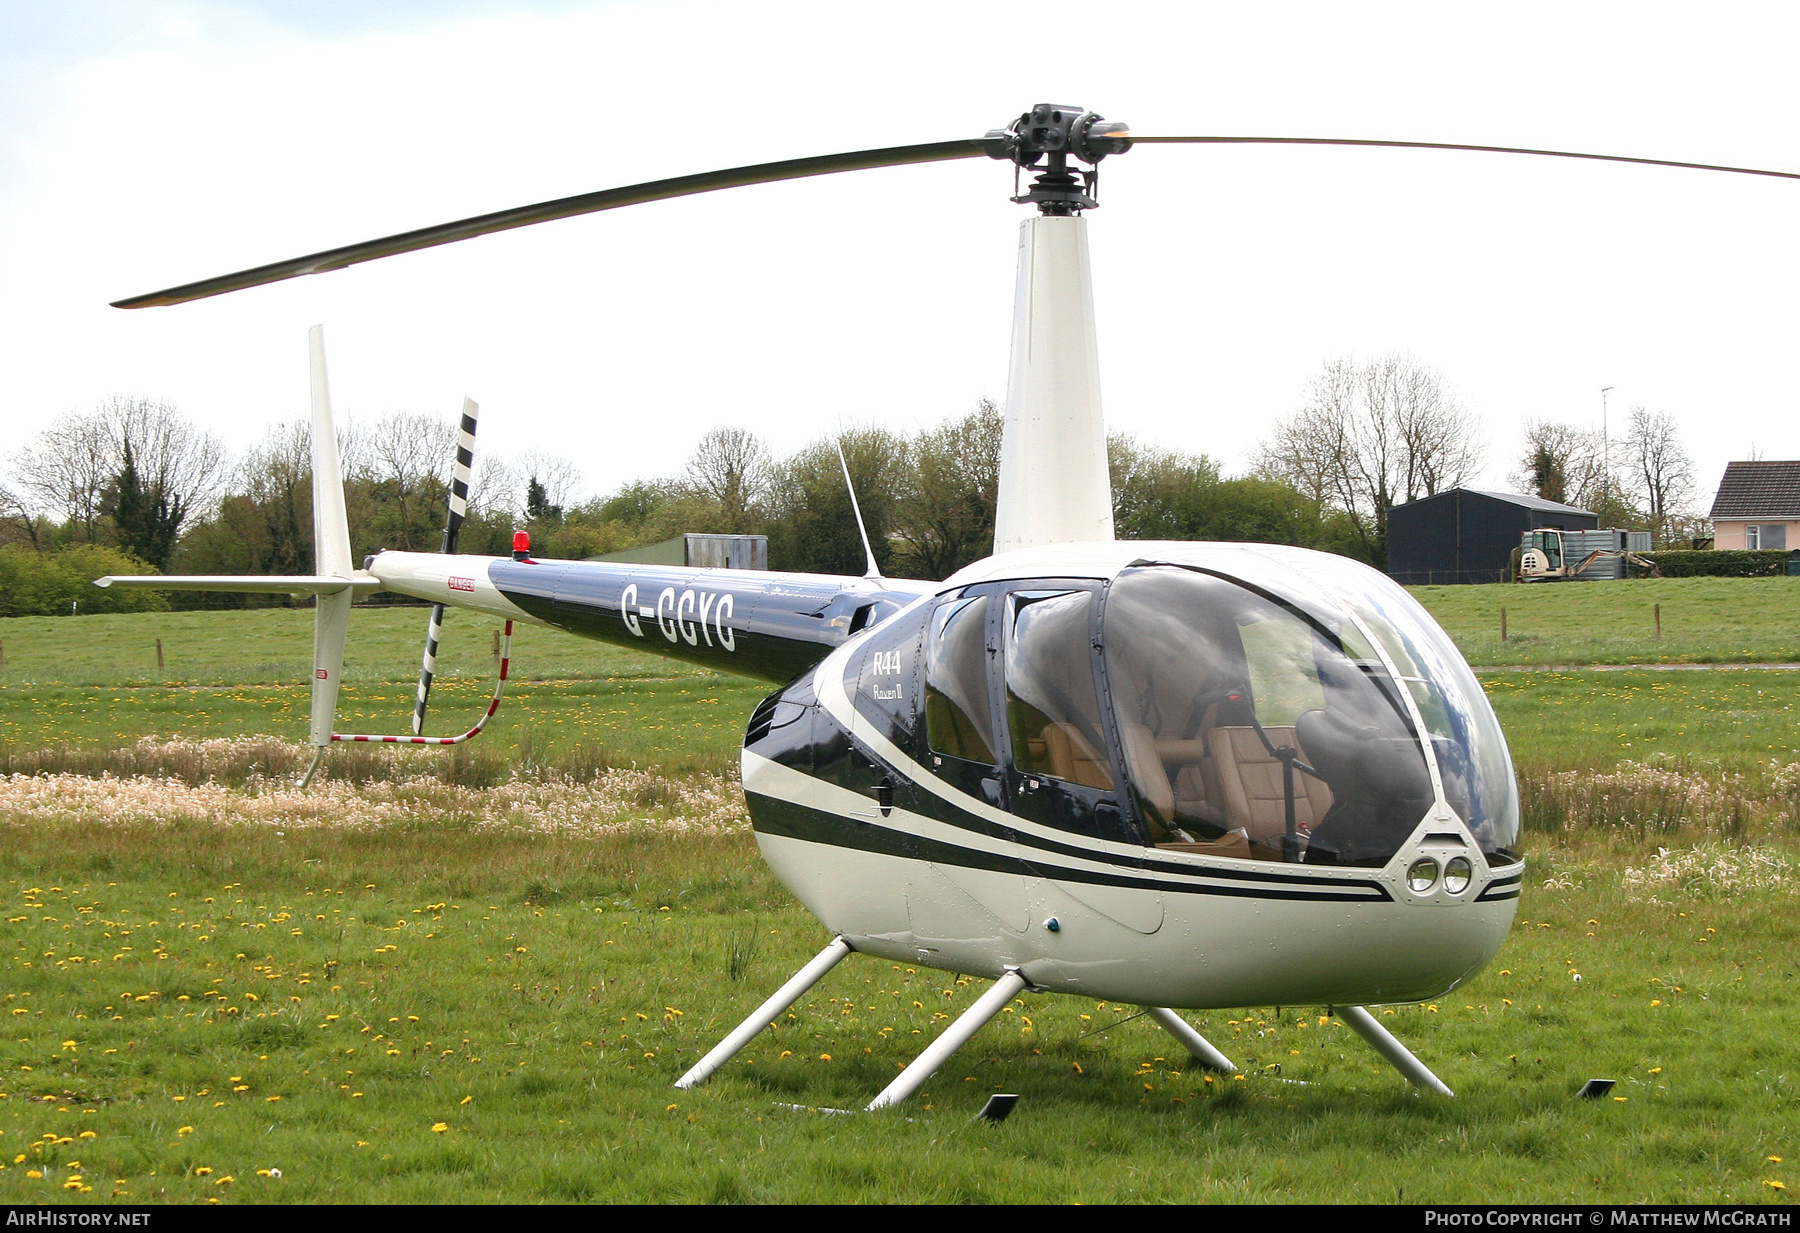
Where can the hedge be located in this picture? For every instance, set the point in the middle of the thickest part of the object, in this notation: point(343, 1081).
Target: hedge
point(1721, 563)
point(57, 583)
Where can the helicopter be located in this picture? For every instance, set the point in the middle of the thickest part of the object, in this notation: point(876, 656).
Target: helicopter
point(1177, 775)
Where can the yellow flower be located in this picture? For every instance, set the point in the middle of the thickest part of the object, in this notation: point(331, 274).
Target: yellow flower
point(439, 1128)
point(201, 1171)
point(1772, 1184)
point(185, 1130)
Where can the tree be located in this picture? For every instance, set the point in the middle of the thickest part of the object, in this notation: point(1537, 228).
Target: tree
point(1372, 436)
point(148, 520)
point(558, 483)
point(1166, 494)
point(731, 467)
point(814, 528)
point(264, 523)
point(538, 505)
point(66, 470)
point(1562, 463)
point(1662, 473)
point(18, 523)
point(945, 509)
point(75, 468)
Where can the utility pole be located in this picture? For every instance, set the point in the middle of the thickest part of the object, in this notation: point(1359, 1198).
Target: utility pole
point(1605, 450)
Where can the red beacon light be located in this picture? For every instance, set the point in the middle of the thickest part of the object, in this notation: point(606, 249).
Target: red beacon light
point(521, 545)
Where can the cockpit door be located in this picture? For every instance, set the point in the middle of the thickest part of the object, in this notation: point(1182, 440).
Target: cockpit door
point(1062, 772)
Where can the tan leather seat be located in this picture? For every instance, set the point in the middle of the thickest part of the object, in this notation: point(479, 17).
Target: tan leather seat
point(1250, 788)
point(1071, 757)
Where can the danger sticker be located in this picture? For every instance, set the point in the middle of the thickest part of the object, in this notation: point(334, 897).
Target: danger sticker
point(462, 584)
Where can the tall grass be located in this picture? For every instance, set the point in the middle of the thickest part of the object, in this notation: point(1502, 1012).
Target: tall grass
point(1665, 797)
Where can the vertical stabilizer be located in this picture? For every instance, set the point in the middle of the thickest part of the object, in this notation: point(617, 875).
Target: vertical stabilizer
point(1054, 485)
point(331, 527)
point(331, 552)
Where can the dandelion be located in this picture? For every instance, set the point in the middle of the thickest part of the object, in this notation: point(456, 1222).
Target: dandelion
point(438, 1128)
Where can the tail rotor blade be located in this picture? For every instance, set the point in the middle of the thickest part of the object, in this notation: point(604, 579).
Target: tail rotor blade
point(453, 523)
point(434, 629)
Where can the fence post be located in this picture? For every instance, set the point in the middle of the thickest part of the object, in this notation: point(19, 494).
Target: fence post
point(1659, 621)
point(159, 655)
point(1503, 624)
point(496, 644)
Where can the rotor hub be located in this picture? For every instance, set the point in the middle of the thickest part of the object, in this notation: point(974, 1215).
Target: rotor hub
point(1044, 139)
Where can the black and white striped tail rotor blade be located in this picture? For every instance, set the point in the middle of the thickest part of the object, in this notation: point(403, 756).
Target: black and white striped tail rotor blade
point(453, 524)
point(459, 475)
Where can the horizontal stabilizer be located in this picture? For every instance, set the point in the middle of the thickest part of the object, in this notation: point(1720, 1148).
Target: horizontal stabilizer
point(292, 584)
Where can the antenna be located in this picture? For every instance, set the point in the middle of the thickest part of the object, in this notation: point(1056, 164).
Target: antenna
point(874, 570)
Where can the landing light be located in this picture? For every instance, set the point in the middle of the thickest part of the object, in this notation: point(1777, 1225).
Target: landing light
point(1458, 873)
point(1423, 875)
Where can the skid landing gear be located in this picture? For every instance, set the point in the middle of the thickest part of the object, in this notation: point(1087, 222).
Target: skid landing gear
point(1011, 983)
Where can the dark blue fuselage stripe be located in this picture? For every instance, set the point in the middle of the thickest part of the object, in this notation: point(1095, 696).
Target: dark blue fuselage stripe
point(774, 816)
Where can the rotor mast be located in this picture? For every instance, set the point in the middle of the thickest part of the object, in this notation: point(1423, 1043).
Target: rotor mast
point(1054, 483)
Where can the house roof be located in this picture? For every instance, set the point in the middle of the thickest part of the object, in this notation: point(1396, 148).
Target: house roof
point(1759, 490)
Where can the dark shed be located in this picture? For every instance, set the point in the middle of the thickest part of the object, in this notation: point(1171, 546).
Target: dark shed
point(1467, 536)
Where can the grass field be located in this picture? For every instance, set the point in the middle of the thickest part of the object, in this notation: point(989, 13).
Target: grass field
point(430, 990)
point(1704, 621)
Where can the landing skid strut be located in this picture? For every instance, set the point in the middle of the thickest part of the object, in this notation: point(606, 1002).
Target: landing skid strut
point(1009, 986)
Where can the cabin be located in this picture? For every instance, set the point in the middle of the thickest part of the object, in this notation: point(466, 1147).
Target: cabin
point(1758, 506)
point(1462, 535)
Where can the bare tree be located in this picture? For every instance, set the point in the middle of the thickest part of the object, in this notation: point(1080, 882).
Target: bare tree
point(66, 469)
point(18, 522)
point(1372, 436)
point(75, 466)
point(402, 462)
point(732, 466)
point(1562, 463)
point(496, 490)
point(1662, 473)
point(555, 480)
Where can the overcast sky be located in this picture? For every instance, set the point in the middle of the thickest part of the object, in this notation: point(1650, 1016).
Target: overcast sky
point(145, 143)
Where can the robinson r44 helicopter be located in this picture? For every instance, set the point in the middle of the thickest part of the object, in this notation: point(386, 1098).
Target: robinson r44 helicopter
point(1178, 775)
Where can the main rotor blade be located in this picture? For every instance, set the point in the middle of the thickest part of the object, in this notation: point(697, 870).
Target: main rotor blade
point(1447, 145)
point(563, 207)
